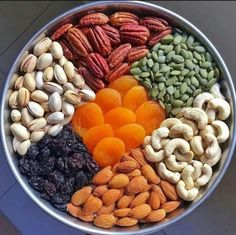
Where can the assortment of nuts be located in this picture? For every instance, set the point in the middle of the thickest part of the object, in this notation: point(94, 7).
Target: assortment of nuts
point(186, 148)
point(124, 195)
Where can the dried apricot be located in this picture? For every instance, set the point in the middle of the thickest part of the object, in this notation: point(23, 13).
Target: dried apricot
point(135, 97)
point(149, 115)
point(123, 84)
point(119, 116)
point(95, 134)
point(108, 151)
point(107, 99)
point(132, 135)
point(86, 116)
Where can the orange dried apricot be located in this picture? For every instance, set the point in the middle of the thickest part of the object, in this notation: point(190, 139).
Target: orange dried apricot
point(108, 151)
point(149, 115)
point(86, 116)
point(123, 84)
point(95, 134)
point(132, 135)
point(135, 97)
point(119, 116)
point(107, 99)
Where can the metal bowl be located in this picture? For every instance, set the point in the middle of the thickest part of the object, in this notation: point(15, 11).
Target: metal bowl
point(141, 8)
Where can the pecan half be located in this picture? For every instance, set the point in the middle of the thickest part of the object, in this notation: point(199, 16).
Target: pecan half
point(136, 53)
point(112, 33)
point(93, 82)
point(135, 34)
point(79, 42)
point(68, 51)
point(97, 65)
point(61, 31)
point(154, 23)
point(81, 62)
point(155, 38)
point(120, 18)
point(118, 55)
point(83, 29)
point(93, 19)
point(117, 72)
point(99, 40)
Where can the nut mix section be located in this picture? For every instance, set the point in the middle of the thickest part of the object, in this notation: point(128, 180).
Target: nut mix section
point(88, 110)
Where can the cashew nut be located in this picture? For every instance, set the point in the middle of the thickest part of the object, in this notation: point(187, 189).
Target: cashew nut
point(147, 140)
point(157, 135)
point(177, 143)
point(215, 90)
point(208, 129)
point(213, 146)
point(164, 142)
point(172, 177)
point(187, 195)
point(222, 129)
point(169, 122)
point(173, 165)
point(221, 106)
point(181, 130)
point(186, 176)
point(195, 114)
point(197, 169)
point(205, 177)
point(196, 145)
point(190, 123)
point(211, 161)
point(153, 156)
point(202, 99)
point(183, 157)
point(211, 114)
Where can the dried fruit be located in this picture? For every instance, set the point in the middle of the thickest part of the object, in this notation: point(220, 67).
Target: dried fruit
point(170, 206)
point(149, 173)
point(126, 167)
point(126, 222)
point(81, 196)
point(139, 199)
point(141, 211)
point(103, 176)
point(136, 185)
point(119, 181)
point(93, 19)
point(92, 205)
point(111, 196)
point(105, 221)
point(169, 190)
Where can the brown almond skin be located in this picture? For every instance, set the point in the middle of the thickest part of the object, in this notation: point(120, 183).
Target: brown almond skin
point(105, 221)
point(125, 201)
point(106, 209)
point(156, 215)
point(170, 206)
point(134, 173)
point(136, 185)
point(149, 173)
point(138, 156)
point(154, 201)
point(127, 157)
point(157, 189)
point(111, 196)
point(81, 196)
point(139, 199)
point(74, 210)
point(122, 212)
point(119, 181)
point(100, 190)
point(141, 211)
point(92, 205)
point(146, 188)
point(126, 222)
point(103, 176)
point(127, 166)
point(169, 190)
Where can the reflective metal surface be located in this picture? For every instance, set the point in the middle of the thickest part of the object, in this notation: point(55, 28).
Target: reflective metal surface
point(141, 8)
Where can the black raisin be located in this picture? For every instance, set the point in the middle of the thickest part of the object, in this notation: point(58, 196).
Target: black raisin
point(36, 182)
point(57, 178)
point(46, 165)
point(60, 198)
point(68, 186)
point(49, 188)
point(81, 180)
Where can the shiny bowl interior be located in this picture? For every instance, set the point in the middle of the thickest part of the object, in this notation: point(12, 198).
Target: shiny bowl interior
point(140, 8)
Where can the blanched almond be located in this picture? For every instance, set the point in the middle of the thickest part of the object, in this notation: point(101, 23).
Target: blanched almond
point(105, 221)
point(103, 176)
point(119, 181)
point(136, 185)
point(156, 215)
point(106, 209)
point(126, 222)
point(139, 199)
point(141, 211)
point(170, 206)
point(127, 166)
point(169, 190)
point(100, 190)
point(122, 212)
point(92, 205)
point(157, 189)
point(125, 201)
point(81, 196)
point(149, 173)
point(154, 201)
point(111, 196)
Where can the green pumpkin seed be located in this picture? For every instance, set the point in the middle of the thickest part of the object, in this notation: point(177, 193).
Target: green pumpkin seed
point(150, 62)
point(189, 102)
point(177, 66)
point(197, 92)
point(203, 73)
point(177, 83)
point(156, 47)
point(177, 49)
point(199, 49)
point(161, 59)
point(138, 78)
point(189, 64)
point(189, 90)
point(162, 104)
point(197, 55)
point(177, 39)
point(145, 68)
point(177, 103)
point(208, 57)
point(160, 79)
point(135, 71)
point(151, 76)
point(168, 48)
point(148, 85)
point(175, 111)
point(171, 81)
point(170, 89)
point(190, 41)
point(158, 74)
point(160, 52)
point(184, 72)
point(183, 88)
point(188, 81)
point(154, 92)
point(194, 81)
point(210, 75)
point(193, 87)
point(149, 55)
point(161, 86)
point(167, 98)
point(178, 59)
point(184, 97)
point(184, 37)
point(217, 72)
point(184, 46)
point(202, 81)
point(144, 61)
point(177, 94)
point(211, 83)
point(161, 94)
point(144, 74)
point(184, 53)
point(154, 55)
point(168, 108)
point(135, 64)
point(165, 69)
point(170, 55)
point(167, 39)
point(196, 69)
point(175, 72)
point(181, 78)
point(155, 67)
point(203, 58)
point(206, 64)
point(190, 55)
point(191, 73)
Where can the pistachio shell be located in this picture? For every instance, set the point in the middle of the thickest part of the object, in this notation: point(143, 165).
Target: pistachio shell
point(44, 61)
point(72, 97)
point(54, 102)
point(19, 131)
point(62, 60)
point(67, 120)
point(19, 83)
point(23, 97)
point(36, 124)
point(55, 129)
point(29, 82)
point(37, 135)
point(69, 69)
point(55, 118)
point(39, 79)
point(69, 86)
point(78, 81)
point(53, 87)
point(45, 106)
point(59, 74)
point(35, 109)
point(87, 95)
point(15, 143)
point(23, 147)
point(56, 50)
point(42, 46)
point(15, 115)
point(39, 96)
point(28, 63)
point(26, 117)
point(67, 108)
point(48, 74)
point(13, 80)
point(13, 100)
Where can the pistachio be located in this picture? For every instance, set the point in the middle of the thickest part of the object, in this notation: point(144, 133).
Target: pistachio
point(67, 108)
point(35, 109)
point(87, 95)
point(23, 147)
point(37, 135)
point(72, 97)
point(39, 96)
point(48, 74)
point(69, 70)
point(39, 79)
point(28, 63)
point(44, 61)
point(78, 81)
point(13, 100)
point(45, 106)
point(19, 131)
point(62, 61)
point(15, 115)
point(36, 124)
point(69, 86)
point(67, 120)
point(55, 118)
point(13, 80)
point(59, 74)
point(56, 50)
point(53, 87)
point(29, 82)
point(46, 128)
point(42, 46)
point(54, 102)
point(19, 83)
point(26, 117)
point(55, 129)
point(15, 143)
point(9, 93)
point(23, 97)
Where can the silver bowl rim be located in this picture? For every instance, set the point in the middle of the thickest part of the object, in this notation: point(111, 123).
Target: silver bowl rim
point(147, 230)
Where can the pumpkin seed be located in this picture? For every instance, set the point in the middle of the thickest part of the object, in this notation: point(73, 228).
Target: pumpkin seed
point(156, 47)
point(154, 92)
point(190, 41)
point(161, 59)
point(189, 102)
point(210, 75)
point(197, 55)
point(155, 67)
point(194, 81)
point(189, 64)
point(135, 64)
point(144, 74)
point(136, 71)
point(148, 85)
point(150, 62)
point(175, 111)
point(144, 61)
point(170, 55)
point(177, 49)
point(167, 39)
point(199, 49)
point(170, 89)
point(177, 39)
point(183, 88)
point(184, 97)
point(154, 55)
point(197, 92)
point(149, 55)
point(203, 73)
point(161, 86)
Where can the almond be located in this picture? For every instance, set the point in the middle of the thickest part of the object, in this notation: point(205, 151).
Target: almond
point(146, 188)
point(92, 205)
point(125, 201)
point(141, 211)
point(136, 185)
point(156, 215)
point(81, 196)
point(86, 218)
point(127, 157)
point(170, 206)
point(154, 201)
point(114, 169)
point(106, 209)
point(151, 176)
point(119, 181)
point(103, 176)
point(122, 191)
point(74, 210)
point(169, 190)
point(126, 222)
point(138, 156)
point(157, 189)
point(122, 212)
point(100, 190)
point(111, 196)
point(105, 221)
point(139, 199)
point(134, 173)
point(127, 166)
